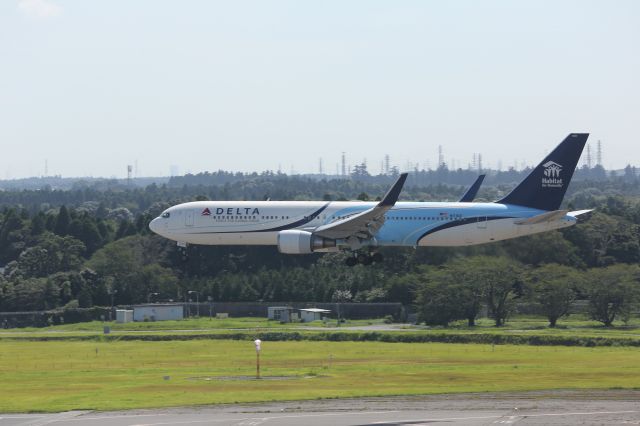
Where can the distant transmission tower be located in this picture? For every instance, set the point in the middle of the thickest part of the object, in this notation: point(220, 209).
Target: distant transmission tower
point(46, 168)
point(387, 164)
point(129, 170)
point(599, 154)
point(440, 157)
point(480, 163)
point(589, 162)
point(320, 165)
point(344, 164)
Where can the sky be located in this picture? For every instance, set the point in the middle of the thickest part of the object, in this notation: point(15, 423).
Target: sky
point(91, 86)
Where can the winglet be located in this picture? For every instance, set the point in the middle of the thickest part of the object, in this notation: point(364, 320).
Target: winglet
point(472, 191)
point(392, 195)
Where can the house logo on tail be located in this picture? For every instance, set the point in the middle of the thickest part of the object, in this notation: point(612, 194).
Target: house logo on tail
point(551, 178)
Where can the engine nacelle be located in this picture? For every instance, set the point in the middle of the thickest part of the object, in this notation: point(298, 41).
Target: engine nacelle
point(302, 242)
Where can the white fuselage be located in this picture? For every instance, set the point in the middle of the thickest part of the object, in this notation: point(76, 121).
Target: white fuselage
point(405, 224)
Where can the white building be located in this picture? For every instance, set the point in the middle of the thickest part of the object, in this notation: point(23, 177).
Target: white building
point(279, 313)
point(158, 312)
point(124, 315)
point(313, 314)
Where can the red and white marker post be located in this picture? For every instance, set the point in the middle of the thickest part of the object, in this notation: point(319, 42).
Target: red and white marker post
point(258, 342)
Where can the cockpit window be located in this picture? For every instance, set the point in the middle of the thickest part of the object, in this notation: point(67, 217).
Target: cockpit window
point(166, 215)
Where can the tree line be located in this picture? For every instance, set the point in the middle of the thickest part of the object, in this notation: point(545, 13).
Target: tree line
point(459, 289)
point(100, 252)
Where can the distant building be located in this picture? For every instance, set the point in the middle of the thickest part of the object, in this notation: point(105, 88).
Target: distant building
point(313, 314)
point(280, 313)
point(158, 312)
point(124, 315)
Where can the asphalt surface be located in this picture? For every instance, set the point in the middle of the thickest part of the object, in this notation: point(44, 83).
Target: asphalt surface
point(531, 408)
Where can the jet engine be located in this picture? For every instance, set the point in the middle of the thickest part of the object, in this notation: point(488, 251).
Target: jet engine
point(302, 242)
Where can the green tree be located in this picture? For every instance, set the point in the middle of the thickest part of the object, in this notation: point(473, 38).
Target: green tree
point(437, 300)
point(38, 224)
point(62, 221)
point(84, 298)
point(26, 295)
point(499, 278)
point(12, 236)
point(51, 254)
point(451, 292)
point(612, 291)
point(553, 289)
point(123, 262)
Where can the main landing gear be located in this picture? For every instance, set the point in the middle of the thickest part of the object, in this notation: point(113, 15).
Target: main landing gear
point(364, 259)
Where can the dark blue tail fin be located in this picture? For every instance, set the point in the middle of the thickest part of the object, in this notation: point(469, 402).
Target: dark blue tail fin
point(546, 185)
point(472, 191)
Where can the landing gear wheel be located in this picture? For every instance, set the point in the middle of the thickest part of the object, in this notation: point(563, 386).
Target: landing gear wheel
point(351, 261)
point(365, 259)
point(377, 257)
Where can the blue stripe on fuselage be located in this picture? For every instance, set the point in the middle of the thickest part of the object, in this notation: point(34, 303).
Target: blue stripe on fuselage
point(406, 223)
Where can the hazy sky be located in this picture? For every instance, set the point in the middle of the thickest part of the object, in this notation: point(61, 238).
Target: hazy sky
point(250, 85)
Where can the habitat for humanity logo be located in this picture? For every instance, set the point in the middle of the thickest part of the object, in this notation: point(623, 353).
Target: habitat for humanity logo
point(551, 178)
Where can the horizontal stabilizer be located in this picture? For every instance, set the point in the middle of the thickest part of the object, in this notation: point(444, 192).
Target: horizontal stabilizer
point(579, 212)
point(544, 217)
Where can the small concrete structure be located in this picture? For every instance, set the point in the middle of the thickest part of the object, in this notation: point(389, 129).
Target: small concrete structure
point(313, 314)
point(280, 313)
point(124, 315)
point(158, 312)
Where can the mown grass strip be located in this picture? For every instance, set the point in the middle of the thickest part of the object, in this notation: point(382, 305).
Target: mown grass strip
point(346, 336)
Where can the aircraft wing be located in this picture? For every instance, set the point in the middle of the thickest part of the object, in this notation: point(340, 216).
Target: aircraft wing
point(472, 191)
point(364, 224)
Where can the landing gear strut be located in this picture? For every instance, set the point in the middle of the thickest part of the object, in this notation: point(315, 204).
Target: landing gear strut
point(364, 259)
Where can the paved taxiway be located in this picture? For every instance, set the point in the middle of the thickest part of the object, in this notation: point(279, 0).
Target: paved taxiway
point(532, 408)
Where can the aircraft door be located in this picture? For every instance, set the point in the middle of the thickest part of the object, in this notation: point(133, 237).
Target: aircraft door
point(482, 222)
point(188, 218)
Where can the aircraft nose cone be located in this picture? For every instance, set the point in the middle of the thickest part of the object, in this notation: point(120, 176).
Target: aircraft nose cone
point(154, 225)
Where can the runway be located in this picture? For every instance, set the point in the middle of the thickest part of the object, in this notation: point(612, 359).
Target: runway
point(531, 408)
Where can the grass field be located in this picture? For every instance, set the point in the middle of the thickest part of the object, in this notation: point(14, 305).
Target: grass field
point(189, 324)
point(56, 376)
point(575, 326)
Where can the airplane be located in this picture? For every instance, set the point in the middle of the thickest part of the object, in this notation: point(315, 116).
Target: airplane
point(303, 227)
